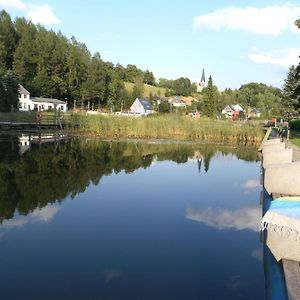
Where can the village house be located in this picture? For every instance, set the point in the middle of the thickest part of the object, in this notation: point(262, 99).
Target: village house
point(27, 103)
point(232, 111)
point(141, 107)
point(254, 113)
point(178, 102)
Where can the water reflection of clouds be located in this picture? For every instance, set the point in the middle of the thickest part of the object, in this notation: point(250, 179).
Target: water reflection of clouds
point(258, 254)
point(251, 184)
point(111, 274)
point(244, 218)
point(44, 214)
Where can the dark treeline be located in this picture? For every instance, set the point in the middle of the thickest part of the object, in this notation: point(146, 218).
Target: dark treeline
point(50, 65)
point(52, 172)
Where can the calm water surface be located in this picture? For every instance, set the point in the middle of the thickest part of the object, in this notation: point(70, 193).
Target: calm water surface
point(87, 219)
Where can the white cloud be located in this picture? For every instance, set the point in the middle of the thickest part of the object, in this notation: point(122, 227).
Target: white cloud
point(280, 58)
point(38, 14)
point(42, 14)
point(270, 20)
point(244, 218)
point(12, 4)
point(251, 184)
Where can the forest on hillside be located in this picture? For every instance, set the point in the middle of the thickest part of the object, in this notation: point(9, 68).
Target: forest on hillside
point(48, 64)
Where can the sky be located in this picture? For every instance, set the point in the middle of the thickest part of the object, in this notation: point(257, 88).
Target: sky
point(236, 42)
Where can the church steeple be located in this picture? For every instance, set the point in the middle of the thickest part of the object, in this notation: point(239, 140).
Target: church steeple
point(202, 84)
point(203, 76)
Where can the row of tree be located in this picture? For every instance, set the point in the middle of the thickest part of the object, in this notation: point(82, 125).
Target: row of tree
point(181, 86)
point(50, 65)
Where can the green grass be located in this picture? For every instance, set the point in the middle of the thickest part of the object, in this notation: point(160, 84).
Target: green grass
point(18, 117)
point(295, 138)
point(168, 127)
point(147, 89)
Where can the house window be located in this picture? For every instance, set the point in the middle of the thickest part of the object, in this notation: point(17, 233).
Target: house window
point(36, 107)
point(20, 104)
point(25, 105)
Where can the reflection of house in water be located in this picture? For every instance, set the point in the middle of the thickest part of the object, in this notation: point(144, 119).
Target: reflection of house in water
point(25, 141)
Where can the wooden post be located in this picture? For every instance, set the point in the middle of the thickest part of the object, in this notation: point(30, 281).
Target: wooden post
point(11, 113)
point(54, 115)
point(265, 138)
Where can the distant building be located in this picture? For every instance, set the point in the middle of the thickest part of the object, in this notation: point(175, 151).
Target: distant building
point(232, 111)
point(254, 113)
point(27, 103)
point(141, 107)
point(202, 84)
point(177, 102)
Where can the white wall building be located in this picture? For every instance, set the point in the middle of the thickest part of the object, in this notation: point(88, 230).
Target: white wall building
point(27, 103)
point(141, 107)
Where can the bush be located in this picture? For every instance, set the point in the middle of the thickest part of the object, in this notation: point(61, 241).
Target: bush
point(164, 107)
point(295, 124)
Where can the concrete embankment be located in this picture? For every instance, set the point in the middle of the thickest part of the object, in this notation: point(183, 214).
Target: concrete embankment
point(281, 221)
point(281, 163)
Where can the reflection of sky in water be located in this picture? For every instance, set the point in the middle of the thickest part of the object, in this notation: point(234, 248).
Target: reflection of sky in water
point(44, 214)
point(131, 237)
point(244, 218)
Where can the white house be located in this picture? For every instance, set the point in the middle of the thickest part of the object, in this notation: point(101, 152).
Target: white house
point(177, 102)
point(141, 107)
point(27, 103)
point(230, 110)
point(254, 113)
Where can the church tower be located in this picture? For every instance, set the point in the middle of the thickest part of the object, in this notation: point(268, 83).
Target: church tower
point(202, 84)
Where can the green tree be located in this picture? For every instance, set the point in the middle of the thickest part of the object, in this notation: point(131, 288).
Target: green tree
point(149, 78)
point(25, 56)
point(291, 97)
point(164, 107)
point(138, 88)
point(8, 41)
point(210, 95)
point(8, 92)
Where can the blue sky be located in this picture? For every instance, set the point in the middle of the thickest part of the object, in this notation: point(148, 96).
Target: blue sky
point(236, 41)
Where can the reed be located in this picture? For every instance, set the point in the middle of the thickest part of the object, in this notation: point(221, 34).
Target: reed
point(168, 127)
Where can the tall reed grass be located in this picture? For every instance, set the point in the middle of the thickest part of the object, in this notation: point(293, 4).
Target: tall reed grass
point(168, 127)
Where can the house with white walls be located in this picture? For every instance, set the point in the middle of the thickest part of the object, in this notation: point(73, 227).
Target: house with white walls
point(27, 103)
point(141, 107)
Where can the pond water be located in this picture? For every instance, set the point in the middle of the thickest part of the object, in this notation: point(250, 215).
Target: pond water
point(90, 219)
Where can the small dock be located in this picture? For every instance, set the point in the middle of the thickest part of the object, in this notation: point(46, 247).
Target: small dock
point(29, 126)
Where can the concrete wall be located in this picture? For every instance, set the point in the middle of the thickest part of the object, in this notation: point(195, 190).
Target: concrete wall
point(283, 178)
point(277, 157)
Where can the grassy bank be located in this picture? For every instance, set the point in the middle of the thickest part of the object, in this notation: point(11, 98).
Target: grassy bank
point(295, 138)
point(168, 127)
point(148, 89)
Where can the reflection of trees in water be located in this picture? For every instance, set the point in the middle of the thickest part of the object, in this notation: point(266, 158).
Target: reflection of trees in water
point(42, 176)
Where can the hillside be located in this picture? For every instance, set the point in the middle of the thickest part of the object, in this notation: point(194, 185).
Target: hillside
point(147, 89)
